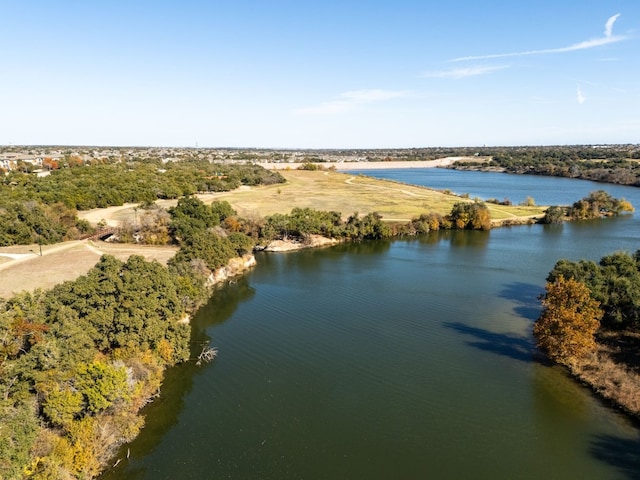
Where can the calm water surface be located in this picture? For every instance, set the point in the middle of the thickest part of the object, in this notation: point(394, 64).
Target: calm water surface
point(406, 359)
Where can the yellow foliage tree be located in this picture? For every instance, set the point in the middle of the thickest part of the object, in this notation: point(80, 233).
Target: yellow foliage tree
point(569, 320)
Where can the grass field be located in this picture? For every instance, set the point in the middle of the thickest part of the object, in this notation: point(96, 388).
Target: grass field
point(328, 190)
point(345, 193)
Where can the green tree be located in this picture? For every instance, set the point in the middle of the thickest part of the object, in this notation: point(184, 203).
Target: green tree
point(222, 210)
point(63, 406)
point(553, 215)
point(614, 282)
point(100, 384)
point(189, 216)
point(18, 431)
point(599, 204)
point(241, 243)
point(470, 216)
point(213, 249)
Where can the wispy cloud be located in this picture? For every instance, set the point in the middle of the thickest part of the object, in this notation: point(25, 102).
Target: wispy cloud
point(457, 73)
point(595, 42)
point(608, 27)
point(579, 95)
point(348, 101)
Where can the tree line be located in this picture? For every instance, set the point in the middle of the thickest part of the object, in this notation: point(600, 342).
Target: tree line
point(43, 209)
point(618, 165)
point(470, 215)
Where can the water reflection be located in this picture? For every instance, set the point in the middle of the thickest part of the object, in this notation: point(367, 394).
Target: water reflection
point(162, 414)
point(365, 247)
point(222, 304)
point(527, 299)
point(621, 453)
point(505, 344)
point(467, 239)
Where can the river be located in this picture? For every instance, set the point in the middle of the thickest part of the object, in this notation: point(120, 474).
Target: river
point(406, 359)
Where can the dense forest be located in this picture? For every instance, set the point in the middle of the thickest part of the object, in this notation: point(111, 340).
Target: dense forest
point(78, 362)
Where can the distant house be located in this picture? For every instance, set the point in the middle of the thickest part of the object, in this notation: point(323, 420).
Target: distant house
point(7, 164)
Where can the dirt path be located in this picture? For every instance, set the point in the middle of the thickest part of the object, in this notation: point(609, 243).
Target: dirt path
point(34, 253)
point(23, 268)
point(109, 214)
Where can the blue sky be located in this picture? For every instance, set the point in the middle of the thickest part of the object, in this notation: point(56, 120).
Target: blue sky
point(331, 74)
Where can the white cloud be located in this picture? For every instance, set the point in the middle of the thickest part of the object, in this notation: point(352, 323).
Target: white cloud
point(350, 100)
point(580, 97)
point(609, 25)
point(596, 42)
point(458, 73)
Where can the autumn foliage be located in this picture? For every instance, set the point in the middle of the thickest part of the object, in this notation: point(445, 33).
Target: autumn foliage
point(569, 320)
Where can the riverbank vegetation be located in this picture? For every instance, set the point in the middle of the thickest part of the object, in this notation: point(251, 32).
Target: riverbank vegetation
point(591, 324)
point(45, 210)
point(616, 164)
point(302, 223)
point(79, 361)
point(597, 204)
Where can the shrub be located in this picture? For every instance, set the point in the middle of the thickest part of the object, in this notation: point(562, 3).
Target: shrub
point(553, 215)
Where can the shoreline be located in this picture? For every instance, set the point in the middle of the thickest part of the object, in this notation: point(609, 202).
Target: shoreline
point(382, 165)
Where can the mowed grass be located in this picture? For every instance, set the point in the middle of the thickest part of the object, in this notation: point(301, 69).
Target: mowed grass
point(347, 193)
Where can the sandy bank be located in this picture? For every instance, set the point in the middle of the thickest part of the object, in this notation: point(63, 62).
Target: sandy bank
point(314, 241)
point(441, 162)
